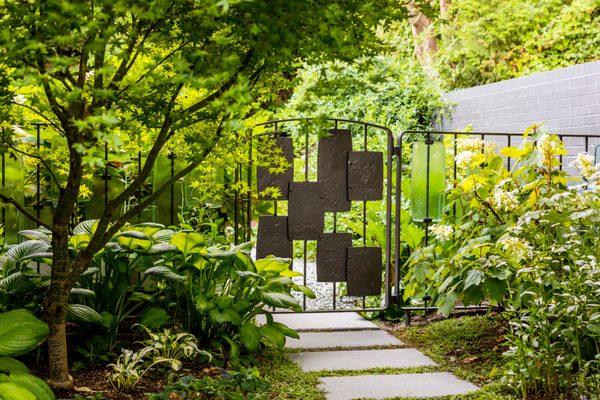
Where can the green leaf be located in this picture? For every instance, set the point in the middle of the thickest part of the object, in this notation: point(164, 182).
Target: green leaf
point(20, 332)
point(83, 292)
point(495, 288)
point(19, 252)
point(447, 303)
point(154, 317)
point(13, 391)
point(233, 316)
point(272, 264)
point(474, 278)
point(87, 227)
point(273, 334)
point(33, 384)
point(34, 234)
point(412, 235)
point(163, 272)
point(186, 241)
point(250, 335)
point(10, 365)
point(276, 299)
point(83, 313)
point(286, 330)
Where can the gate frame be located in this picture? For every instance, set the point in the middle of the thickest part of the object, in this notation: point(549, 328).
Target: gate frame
point(243, 204)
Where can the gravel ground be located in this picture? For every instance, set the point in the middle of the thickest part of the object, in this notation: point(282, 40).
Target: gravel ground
point(323, 290)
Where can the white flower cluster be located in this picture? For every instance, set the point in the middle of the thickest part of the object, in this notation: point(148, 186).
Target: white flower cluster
point(464, 158)
point(585, 164)
point(504, 200)
point(519, 248)
point(473, 144)
point(19, 99)
point(441, 232)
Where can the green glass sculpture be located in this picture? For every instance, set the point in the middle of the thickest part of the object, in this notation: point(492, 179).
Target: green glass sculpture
point(14, 186)
point(424, 206)
point(161, 211)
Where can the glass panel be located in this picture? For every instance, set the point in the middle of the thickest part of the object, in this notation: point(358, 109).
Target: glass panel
point(437, 184)
point(14, 187)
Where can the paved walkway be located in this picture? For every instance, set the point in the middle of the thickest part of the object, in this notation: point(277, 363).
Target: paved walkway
point(331, 342)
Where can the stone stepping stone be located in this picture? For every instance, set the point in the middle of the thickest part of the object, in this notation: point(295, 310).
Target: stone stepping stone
point(434, 384)
point(303, 322)
point(355, 360)
point(343, 339)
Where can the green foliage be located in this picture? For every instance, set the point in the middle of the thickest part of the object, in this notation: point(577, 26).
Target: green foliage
point(389, 89)
point(525, 240)
point(20, 332)
point(489, 41)
point(245, 384)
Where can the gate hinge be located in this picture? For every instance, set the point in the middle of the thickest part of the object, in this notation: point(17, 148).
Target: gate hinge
point(396, 151)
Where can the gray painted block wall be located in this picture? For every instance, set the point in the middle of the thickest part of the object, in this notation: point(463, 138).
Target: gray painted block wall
point(566, 101)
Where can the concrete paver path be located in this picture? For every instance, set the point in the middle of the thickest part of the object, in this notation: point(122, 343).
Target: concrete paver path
point(356, 337)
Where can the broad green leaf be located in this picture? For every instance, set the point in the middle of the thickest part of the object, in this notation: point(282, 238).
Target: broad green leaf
point(474, 278)
point(286, 330)
point(154, 317)
point(83, 313)
point(250, 335)
point(33, 384)
point(14, 391)
point(273, 334)
point(10, 365)
point(20, 332)
point(186, 241)
point(163, 272)
point(276, 299)
point(272, 264)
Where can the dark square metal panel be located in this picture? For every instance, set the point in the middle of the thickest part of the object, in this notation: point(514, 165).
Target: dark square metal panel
point(365, 175)
point(331, 257)
point(266, 179)
point(363, 272)
point(272, 237)
point(306, 218)
point(332, 169)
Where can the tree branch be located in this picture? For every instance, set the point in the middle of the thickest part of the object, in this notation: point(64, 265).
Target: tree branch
point(38, 112)
point(39, 158)
point(9, 200)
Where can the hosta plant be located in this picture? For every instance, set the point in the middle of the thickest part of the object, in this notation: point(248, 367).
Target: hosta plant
point(20, 332)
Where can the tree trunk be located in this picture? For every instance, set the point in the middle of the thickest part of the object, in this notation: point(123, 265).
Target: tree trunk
point(56, 311)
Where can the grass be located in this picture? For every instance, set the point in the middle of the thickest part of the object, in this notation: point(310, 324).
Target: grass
point(468, 346)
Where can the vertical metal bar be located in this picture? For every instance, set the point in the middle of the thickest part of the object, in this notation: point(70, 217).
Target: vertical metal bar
point(388, 219)
point(235, 197)
point(427, 188)
point(38, 205)
point(172, 190)
point(364, 205)
point(587, 144)
point(249, 181)
point(454, 169)
point(483, 143)
point(105, 177)
point(397, 222)
point(38, 191)
point(139, 191)
point(509, 144)
point(305, 244)
point(3, 184)
point(560, 157)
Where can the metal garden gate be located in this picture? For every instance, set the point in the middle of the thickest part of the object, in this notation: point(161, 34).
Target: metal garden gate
point(332, 171)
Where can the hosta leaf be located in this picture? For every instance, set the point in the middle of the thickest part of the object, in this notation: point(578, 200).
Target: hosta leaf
point(163, 272)
point(281, 300)
point(286, 330)
point(83, 313)
point(272, 264)
point(17, 284)
point(19, 251)
point(33, 384)
point(186, 241)
point(20, 332)
point(13, 391)
point(273, 334)
point(250, 335)
point(10, 365)
point(90, 271)
point(161, 248)
point(87, 227)
point(34, 234)
point(83, 292)
point(154, 317)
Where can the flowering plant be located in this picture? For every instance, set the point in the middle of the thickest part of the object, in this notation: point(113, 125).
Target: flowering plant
point(526, 239)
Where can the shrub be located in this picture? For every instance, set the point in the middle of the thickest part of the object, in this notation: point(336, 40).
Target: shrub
point(526, 240)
